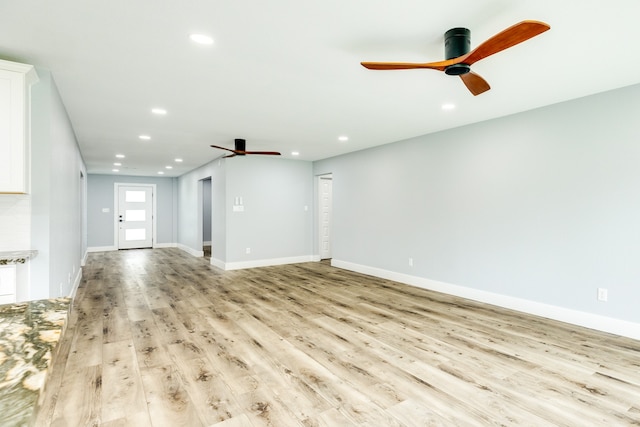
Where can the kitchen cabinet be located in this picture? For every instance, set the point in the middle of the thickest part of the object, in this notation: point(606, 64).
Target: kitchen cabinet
point(15, 132)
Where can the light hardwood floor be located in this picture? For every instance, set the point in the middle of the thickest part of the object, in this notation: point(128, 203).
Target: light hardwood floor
point(160, 338)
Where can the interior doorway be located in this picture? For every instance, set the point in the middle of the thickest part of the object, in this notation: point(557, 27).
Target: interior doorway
point(135, 216)
point(206, 217)
point(325, 207)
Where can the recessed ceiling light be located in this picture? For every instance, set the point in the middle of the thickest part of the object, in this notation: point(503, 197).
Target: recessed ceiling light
point(115, 170)
point(168, 167)
point(178, 160)
point(201, 38)
point(295, 153)
point(159, 111)
point(160, 173)
point(117, 164)
point(145, 137)
point(120, 156)
point(448, 106)
point(343, 138)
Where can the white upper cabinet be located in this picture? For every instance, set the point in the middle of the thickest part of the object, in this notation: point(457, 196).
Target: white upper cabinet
point(15, 136)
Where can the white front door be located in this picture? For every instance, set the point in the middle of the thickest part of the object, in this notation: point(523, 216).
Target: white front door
point(135, 217)
point(325, 192)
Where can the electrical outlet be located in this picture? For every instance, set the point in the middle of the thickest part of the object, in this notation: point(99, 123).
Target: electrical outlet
point(410, 262)
point(248, 250)
point(603, 294)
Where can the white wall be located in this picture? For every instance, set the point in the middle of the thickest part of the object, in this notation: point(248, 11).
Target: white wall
point(57, 195)
point(541, 206)
point(15, 222)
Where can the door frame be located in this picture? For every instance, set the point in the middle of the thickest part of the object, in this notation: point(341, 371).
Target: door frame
point(318, 227)
point(201, 209)
point(116, 197)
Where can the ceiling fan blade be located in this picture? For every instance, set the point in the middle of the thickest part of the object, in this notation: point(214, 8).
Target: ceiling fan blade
point(475, 83)
point(223, 148)
point(440, 65)
point(267, 153)
point(240, 145)
point(505, 39)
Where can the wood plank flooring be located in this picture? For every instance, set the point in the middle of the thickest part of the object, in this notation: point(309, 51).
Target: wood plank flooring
point(160, 338)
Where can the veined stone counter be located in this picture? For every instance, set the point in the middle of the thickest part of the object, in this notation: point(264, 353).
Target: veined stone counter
point(29, 333)
point(16, 257)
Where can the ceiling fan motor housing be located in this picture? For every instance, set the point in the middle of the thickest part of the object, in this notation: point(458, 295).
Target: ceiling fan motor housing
point(457, 42)
point(240, 145)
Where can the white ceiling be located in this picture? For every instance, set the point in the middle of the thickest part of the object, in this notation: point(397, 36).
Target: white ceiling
point(285, 74)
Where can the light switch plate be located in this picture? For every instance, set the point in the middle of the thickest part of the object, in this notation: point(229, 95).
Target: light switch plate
point(603, 294)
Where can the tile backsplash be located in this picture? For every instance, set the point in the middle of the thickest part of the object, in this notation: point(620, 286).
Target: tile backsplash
point(15, 222)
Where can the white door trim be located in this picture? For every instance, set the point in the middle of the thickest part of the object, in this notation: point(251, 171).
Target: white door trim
point(116, 193)
point(324, 253)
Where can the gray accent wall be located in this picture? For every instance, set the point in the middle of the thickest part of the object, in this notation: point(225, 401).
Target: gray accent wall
point(273, 224)
point(58, 193)
point(190, 210)
point(219, 210)
point(542, 205)
point(100, 189)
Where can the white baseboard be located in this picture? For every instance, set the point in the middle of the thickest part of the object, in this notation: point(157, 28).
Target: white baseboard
point(101, 248)
point(207, 243)
point(218, 263)
point(76, 284)
point(164, 245)
point(83, 261)
point(115, 248)
point(190, 251)
point(575, 317)
point(260, 262)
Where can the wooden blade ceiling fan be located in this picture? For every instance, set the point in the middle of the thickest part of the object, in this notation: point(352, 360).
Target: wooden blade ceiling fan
point(241, 150)
point(459, 58)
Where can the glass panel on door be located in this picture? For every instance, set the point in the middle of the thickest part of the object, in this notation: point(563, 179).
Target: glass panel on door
point(135, 215)
point(135, 196)
point(132, 234)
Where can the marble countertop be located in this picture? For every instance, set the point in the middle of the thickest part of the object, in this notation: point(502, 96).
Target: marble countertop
point(16, 257)
point(29, 333)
